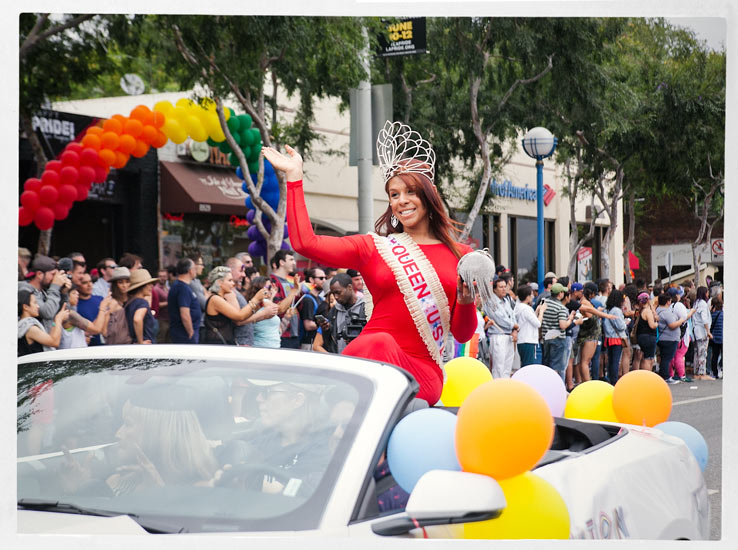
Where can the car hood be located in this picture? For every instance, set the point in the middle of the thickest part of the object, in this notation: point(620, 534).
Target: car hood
point(31, 522)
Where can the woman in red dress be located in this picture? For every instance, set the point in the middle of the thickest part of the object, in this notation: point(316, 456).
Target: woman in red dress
point(410, 273)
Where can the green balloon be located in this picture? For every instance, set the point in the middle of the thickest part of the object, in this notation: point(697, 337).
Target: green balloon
point(253, 168)
point(237, 138)
point(246, 137)
point(234, 159)
point(255, 150)
point(245, 121)
point(234, 125)
point(246, 151)
point(257, 134)
point(224, 147)
point(212, 142)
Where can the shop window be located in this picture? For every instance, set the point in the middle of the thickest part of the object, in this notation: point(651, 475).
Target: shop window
point(523, 241)
point(216, 238)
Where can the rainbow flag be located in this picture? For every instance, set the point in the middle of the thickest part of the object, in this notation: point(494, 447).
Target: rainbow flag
point(467, 349)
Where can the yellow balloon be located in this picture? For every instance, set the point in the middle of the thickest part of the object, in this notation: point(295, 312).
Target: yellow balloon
point(535, 510)
point(179, 114)
point(208, 104)
point(196, 129)
point(184, 103)
point(212, 127)
point(174, 131)
point(164, 107)
point(591, 400)
point(463, 375)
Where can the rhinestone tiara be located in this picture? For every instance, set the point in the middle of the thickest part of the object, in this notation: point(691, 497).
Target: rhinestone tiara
point(402, 150)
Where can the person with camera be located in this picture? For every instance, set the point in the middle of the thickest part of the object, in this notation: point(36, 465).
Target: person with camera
point(46, 285)
point(346, 319)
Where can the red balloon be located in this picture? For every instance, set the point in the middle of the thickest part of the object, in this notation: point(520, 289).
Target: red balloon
point(74, 147)
point(48, 195)
point(69, 158)
point(68, 194)
point(30, 200)
point(53, 165)
point(86, 175)
point(101, 174)
point(32, 184)
point(69, 174)
point(61, 211)
point(49, 177)
point(25, 216)
point(81, 192)
point(44, 218)
point(89, 157)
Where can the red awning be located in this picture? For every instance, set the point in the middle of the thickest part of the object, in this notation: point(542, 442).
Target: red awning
point(633, 261)
point(189, 188)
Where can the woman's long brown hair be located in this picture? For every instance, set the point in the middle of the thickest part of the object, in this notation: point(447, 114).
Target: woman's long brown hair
point(441, 225)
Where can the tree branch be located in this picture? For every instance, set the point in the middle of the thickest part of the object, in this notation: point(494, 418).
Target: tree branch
point(33, 38)
point(519, 82)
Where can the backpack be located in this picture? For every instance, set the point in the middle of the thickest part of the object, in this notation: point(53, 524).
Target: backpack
point(305, 304)
point(118, 328)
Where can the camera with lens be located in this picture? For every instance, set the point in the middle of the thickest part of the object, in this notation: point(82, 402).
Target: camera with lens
point(354, 326)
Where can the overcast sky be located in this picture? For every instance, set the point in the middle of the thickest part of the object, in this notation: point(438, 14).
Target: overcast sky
point(710, 29)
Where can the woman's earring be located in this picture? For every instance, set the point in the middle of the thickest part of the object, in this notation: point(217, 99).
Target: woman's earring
point(394, 221)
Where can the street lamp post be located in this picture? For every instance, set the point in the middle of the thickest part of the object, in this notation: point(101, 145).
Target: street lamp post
point(539, 144)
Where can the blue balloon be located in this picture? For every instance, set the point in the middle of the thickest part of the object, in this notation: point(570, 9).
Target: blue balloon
point(422, 441)
point(271, 185)
point(268, 169)
point(239, 173)
point(691, 437)
point(248, 202)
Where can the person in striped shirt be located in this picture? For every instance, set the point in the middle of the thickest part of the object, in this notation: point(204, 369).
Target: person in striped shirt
point(556, 319)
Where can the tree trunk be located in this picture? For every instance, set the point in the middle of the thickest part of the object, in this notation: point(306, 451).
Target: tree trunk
point(44, 238)
point(630, 243)
point(484, 146)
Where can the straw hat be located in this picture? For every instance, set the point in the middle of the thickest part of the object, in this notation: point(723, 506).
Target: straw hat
point(139, 278)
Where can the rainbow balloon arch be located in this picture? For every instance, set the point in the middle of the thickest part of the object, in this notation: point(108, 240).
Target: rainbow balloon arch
point(68, 178)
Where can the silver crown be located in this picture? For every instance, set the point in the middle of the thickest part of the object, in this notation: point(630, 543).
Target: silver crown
point(402, 150)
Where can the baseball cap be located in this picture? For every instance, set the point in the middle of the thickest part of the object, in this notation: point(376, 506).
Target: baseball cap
point(550, 274)
point(533, 286)
point(576, 286)
point(674, 291)
point(557, 288)
point(643, 297)
point(43, 263)
point(500, 269)
point(120, 273)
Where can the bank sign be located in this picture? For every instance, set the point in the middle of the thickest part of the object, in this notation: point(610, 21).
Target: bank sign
point(507, 190)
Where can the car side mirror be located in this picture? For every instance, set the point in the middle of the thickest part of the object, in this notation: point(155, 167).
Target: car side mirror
point(443, 497)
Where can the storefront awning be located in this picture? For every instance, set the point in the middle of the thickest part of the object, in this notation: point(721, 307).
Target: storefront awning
point(188, 188)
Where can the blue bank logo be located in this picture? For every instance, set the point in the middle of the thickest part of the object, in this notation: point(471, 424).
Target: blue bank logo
point(507, 190)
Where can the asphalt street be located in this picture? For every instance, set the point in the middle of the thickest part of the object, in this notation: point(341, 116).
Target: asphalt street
point(700, 404)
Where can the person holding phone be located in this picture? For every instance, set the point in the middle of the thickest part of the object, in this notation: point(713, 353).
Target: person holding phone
point(267, 331)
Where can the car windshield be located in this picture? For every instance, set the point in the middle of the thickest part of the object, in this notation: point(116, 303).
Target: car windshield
point(202, 445)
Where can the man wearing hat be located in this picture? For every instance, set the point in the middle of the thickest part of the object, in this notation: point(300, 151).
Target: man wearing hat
point(46, 284)
point(556, 319)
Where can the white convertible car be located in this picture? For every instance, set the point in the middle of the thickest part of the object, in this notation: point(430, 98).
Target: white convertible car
point(195, 439)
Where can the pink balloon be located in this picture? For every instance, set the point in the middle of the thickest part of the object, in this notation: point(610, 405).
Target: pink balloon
point(25, 216)
point(30, 200)
point(54, 165)
point(44, 218)
point(546, 382)
point(48, 195)
point(69, 175)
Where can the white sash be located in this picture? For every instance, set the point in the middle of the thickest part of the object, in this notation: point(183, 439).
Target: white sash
point(418, 281)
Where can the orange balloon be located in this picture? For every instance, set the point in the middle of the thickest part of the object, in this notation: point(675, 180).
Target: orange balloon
point(121, 159)
point(141, 149)
point(133, 127)
point(158, 120)
point(92, 141)
point(107, 157)
point(160, 141)
point(127, 143)
point(503, 428)
point(120, 118)
point(148, 134)
point(643, 398)
point(143, 114)
point(113, 125)
point(110, 140)
point(94, 130)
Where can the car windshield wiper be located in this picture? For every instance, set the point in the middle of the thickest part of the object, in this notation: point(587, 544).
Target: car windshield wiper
point(152, 526)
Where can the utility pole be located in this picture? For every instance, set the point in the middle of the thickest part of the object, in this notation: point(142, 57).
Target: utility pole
point(364, 142)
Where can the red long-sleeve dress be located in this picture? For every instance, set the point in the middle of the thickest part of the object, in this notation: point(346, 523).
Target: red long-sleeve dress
point(390, 335)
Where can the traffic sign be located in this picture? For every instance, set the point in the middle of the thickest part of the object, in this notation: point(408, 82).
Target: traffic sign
point(717, 247)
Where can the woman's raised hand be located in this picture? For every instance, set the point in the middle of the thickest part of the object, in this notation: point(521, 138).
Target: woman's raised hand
point(290, 164)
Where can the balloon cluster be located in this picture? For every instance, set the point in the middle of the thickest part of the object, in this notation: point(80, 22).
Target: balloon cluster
point(270, 194)
point(111, 145)
point(64, 181)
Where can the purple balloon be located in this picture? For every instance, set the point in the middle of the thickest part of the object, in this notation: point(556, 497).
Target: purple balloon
point(285, 246)
point(252, 232)
point(250, 216)
point(546, 382)
point(286, 233)
point(256, 249)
